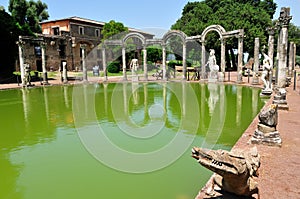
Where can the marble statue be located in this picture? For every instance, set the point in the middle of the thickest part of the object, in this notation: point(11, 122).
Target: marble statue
point(213, 67)
point(265, 76)
point(134, 65)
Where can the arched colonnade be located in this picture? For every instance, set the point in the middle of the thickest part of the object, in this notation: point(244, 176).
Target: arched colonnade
point(146, 42)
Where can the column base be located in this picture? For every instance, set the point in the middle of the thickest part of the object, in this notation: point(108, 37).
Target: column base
point(270, 138)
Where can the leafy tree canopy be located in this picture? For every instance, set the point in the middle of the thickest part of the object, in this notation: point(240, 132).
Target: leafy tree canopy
point(8, 37)
point(113, 28)
point(28, 14)
point(254, 16)
point(294, 36)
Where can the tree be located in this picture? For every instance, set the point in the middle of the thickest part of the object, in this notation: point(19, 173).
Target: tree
point(154, 53)
point(113, 30)
point(8, 37)
point(28, 14)
point(294, 36)
point(254, 16)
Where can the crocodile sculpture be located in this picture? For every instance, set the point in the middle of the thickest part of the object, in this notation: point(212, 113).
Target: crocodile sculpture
point(234, 171)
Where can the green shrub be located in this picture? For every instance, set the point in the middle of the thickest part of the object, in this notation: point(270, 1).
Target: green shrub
point(114, 67)
point(172, 63)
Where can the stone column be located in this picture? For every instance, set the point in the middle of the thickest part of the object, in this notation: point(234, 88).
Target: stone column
point(280, 97)
point(282, 66)
point(295, 51)
point(184, 70)
point(45, 76)
point(21, 58)
point(291, 59)
point(164, 62)
point(271, 41)
point(255, 79)
point(104, 63)
point(284, 21)
point(145, 63)
point(65, 75)
point(240, 56)
point(271, 32)
point(84, 69)
point(223, 59)
point(203, 61)
point(124, 62)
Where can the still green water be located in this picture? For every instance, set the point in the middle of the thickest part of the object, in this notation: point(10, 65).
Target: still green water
point(116, 140)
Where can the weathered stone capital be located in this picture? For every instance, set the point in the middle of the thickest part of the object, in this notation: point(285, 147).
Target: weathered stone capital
point(285, 17)
point(271, 30)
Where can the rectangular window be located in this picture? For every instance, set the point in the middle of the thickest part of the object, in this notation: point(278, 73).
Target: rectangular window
point(81, 30)
point(56, 31)
point(38, 51)
point(62, 51)
point(97, 33)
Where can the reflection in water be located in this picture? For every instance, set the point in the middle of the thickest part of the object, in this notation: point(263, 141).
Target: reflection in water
point(125, 98)
point(217, 111)
point(213, 97)
point(26, 106)
point(40, 150)
point(45, 91)
point(146, 110)
point(135, 94)
point(239, 105)
point(66, 96)
point(105, 98)
point(255, 93)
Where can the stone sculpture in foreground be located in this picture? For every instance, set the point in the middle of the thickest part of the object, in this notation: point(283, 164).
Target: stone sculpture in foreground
point(234, 171)
point(266, 132)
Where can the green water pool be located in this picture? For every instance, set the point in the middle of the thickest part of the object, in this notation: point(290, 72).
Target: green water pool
point(117, 140)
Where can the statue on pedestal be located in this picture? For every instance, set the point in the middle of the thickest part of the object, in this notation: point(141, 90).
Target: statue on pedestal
point(134, 65)
point(266, 75)
point(213, 67)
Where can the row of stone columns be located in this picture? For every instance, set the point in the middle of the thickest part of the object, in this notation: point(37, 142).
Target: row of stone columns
point(124, 66)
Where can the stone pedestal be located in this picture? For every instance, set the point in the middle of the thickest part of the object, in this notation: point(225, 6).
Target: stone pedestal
point(221, 76)
point(266, 132)
point(280, 99)
point(266, 93)
point(272, 138)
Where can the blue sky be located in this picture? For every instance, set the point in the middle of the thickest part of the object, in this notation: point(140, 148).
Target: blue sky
point(139, 14)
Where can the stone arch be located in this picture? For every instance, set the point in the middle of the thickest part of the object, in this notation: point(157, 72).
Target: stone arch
point(171, 33)
point(90, 44)
point(165, 38)
point(134, 35)
point(219, 29)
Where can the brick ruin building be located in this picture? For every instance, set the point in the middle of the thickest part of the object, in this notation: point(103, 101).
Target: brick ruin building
point(62, 40)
